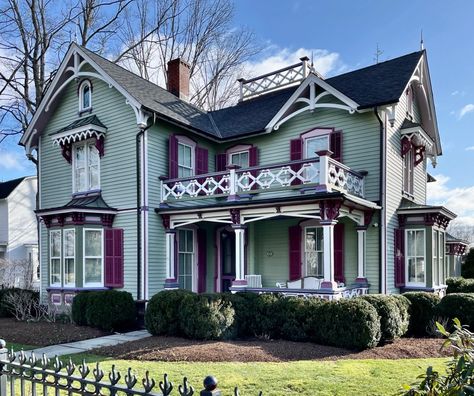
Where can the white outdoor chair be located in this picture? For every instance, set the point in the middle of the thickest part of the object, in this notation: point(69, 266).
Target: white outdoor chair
point(310, 282)
point(296, 284)
point(254, 281)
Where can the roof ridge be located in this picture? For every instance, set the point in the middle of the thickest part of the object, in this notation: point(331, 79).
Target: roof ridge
point(214, 125)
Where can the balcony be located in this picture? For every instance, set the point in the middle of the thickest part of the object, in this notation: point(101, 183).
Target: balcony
point(320, 174)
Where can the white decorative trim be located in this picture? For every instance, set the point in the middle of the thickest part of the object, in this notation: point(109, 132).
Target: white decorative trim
point(78, 134)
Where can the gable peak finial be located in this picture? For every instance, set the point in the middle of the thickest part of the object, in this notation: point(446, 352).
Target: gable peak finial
point(422, 44)
point(377, 54)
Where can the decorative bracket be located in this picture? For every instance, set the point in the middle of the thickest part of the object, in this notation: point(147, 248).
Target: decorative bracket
point(235, 216)
point(329, 210)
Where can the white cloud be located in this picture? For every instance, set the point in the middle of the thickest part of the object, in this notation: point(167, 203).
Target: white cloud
point(274, 58)
point(458, 93)
point(458, 199)
point(12, 161)
point(470, 148)
point(469, 108)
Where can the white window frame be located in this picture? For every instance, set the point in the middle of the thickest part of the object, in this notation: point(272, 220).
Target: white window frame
point(435, 259)
point(315, 134)
point(442, 257)
point(63, 267)
point(92, 284)
point(51, 257)
point(85, 83)
point(185, 141)
point(194, 269)
point(407, 274)
point(408, 171)
point(86, 144)
point(239, 149)
point(305, 266)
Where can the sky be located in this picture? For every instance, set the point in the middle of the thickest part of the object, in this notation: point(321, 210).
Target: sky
point(343, 36)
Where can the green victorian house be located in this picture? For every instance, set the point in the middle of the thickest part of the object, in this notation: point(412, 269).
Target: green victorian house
point(308, 185)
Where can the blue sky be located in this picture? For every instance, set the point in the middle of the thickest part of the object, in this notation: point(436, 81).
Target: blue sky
point(343, 36)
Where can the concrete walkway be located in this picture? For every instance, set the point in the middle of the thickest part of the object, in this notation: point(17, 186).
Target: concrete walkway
point(87, 345)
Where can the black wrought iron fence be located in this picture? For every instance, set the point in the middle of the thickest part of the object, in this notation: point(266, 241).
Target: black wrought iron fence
point(23, 374)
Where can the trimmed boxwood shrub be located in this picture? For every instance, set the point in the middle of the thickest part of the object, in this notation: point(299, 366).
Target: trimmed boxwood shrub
point(206, 316)
point(404, 306)
point(457, 305)
point(162, 312)
point(78, 309)
point(247, 307)
point(422, 311)
point(352, 323)
point(460, 285)
point(111, 310)
point(391, 322)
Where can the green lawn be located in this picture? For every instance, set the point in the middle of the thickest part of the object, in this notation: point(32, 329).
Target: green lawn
point(343, 377)
point(19, 347)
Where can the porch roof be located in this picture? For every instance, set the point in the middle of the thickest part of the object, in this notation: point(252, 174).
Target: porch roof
point(350, 200)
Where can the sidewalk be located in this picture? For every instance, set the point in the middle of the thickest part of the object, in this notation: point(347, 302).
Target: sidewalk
point(87, 345)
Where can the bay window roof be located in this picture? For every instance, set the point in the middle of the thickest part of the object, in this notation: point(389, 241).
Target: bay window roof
point(81, 129)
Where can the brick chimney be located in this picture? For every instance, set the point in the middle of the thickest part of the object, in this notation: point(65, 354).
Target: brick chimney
point(178, 78)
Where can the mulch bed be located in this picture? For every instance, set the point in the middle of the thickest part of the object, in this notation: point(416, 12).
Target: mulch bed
point(173, 349)
point(44, 333)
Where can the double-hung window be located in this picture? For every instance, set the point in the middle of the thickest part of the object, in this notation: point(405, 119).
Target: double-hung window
point(315, 144)
point(86, 167)
point(55, 257)
point(185, 160)
point(436, 262)
point(415, 257)
point(408, 172)
point(441, 250)
point(185, 258)
point(69, 248)
point(240, 158)
point(314, 252)
point(93, 257)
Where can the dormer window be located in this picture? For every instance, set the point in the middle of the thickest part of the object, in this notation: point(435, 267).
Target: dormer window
point(86, 167)
point(85, 96)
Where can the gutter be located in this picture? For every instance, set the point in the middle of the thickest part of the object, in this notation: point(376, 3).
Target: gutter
point(383, 264)
point(138, 139)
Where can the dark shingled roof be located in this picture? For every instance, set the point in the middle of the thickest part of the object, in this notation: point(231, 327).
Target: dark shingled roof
point(91, 120)
point(370, 86)
point(6, 188)
point(407, 124)
point(88, 202)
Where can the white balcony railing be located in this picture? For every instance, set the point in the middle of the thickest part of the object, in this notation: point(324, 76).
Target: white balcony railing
point(322, 171)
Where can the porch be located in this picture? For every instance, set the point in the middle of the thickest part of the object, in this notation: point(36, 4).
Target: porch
point(311, 246)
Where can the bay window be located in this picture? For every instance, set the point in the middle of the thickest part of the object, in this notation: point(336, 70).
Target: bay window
point(55, 257)
point(415, 257)
point(93, 257)
point(86, 167)
point(69, 246)
point(436, 261)
point(185, 258)
point(441, 250)
point(313, 251)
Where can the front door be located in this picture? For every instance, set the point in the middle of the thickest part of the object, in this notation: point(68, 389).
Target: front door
point(227, 259)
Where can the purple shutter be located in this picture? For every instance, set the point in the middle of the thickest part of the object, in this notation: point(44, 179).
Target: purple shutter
point(113, 257)
point(173, 157)
point(296, 153)
point(221, 162)
point(339, 252)
point(202, 161)
point(399, 253)
point(202, 260)
point(253, 161)
point(294, 245)
point(336, 145)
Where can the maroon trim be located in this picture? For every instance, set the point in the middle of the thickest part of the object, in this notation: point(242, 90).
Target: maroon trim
point(66, 152)
point(329, 209)
point(221, 162)
point(99, 145)
point(339, 252)
point(294, 249)
point(114, 268)
point(107, 220)
point(399, 255)
point(202, 259)
point(173, 157)
point(405, 146)
point(165, 218)
point(78, 218)
point(235, 216)
point(418, 155)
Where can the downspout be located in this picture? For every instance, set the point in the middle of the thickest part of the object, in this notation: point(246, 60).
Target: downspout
point(138, 139)
point(383, 264)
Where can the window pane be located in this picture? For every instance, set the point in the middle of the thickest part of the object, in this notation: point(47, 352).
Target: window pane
point(69, 275)
point(93, 243)
point(182, 240)
point(55, 271)
point(86, 97)
point(420, 243)
point(56, 244)
point(93, 270)
point(189, 247)
point(69, 243)
point(316, 144)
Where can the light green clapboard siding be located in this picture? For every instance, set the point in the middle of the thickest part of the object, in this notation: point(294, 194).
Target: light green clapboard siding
point(395, 184)
point(117, 166)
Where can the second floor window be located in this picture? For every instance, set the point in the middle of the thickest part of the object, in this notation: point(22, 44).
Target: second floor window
point(408, 173)
point(86, 167)
point(315, 144)
point(85, 96)
point(185, 160)
point(240, 158)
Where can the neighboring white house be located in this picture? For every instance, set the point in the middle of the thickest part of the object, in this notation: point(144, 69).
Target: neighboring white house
point(18, 232)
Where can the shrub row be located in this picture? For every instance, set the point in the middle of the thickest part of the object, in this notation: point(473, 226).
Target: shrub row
point(346, 323)
point(422, 311)
point(107, 310)
point(457, 305)
point(460, 285)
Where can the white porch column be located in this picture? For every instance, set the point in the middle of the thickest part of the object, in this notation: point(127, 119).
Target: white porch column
point(240, 280)
point(328, 256)
point(170, 282)
point(361, 250)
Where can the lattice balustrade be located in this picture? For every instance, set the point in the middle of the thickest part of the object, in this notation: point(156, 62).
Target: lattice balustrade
point(215, 185)
point(345, 179)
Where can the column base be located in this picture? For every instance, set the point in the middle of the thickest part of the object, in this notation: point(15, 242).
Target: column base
point(171, 284)
point(239, 283)
point(329, 285)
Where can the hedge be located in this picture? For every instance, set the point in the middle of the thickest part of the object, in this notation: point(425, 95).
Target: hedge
point(162, 313)
point(392, 324)
point(108, 310)
point(457, 305)
point(404, 305)
point(460, 285)
point(422, 311)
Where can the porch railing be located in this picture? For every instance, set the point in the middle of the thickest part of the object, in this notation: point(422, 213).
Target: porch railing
point(323, 171)
point(23, 375)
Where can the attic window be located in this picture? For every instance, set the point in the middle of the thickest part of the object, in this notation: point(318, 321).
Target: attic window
point(85, 96)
